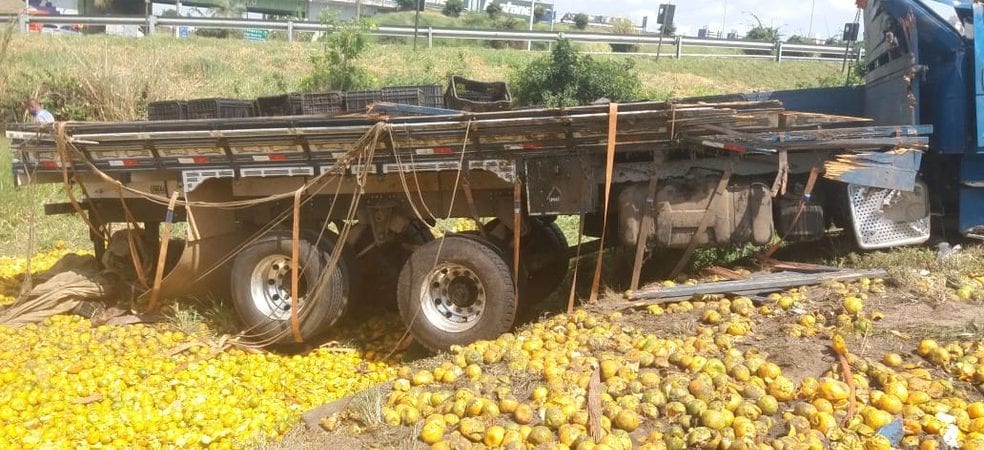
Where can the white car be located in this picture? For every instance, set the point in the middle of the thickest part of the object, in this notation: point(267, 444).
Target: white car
point(59, 29)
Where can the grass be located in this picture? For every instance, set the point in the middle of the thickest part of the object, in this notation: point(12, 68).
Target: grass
point(22, 205)
point(112, 78)
point(905, 265)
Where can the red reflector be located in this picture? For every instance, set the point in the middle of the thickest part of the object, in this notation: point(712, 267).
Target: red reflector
point(200, 159)
point(49, 164)
point(735, 148)
point(442, 150)
point(278, 157)
point(532, 146)
point(130, 163)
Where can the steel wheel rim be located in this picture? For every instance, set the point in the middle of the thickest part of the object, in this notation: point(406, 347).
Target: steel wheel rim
point(270, 287)
point(453, 298)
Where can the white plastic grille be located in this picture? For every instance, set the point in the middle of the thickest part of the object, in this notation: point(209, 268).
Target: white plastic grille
point(192, 178)
point(872, 229)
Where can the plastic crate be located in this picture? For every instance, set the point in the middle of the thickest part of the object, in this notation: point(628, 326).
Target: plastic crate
point(322, 103)
point(219, 108)
point(433, 95)
point(478, 96)
point(279, 105)
point(360, 100)
point(167, 110)
point(406, 95)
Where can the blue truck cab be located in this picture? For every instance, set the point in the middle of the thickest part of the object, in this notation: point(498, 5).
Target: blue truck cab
point(925, 65)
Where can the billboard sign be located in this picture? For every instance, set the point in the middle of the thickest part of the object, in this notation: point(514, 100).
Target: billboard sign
point(523, 8)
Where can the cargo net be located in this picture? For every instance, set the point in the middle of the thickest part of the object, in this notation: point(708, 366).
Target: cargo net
point(873, 229)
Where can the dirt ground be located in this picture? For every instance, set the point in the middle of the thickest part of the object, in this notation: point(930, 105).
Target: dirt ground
point(903, 318)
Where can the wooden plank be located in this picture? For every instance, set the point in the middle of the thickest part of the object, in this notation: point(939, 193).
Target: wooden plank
point(759, 283)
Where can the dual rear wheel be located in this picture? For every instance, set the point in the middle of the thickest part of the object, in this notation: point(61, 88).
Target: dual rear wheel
point(450, 291)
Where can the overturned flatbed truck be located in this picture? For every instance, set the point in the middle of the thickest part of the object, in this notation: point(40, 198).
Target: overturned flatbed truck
point(314, 209)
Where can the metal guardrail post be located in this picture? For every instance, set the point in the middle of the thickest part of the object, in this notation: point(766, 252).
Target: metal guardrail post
point(22, 22)
point(779, 53)
point(679, 47)
point(151, 24)
point(430, 37)
point(290, 31)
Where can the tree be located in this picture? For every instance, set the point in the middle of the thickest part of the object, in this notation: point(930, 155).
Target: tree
point(539, 13)
point(799, 40)
point(119, 7)
point(229, 8)
point(493, 10)
point(336, 67)
point(453, 8)
point(581, 21)
point(566, 78)
point(762, 33)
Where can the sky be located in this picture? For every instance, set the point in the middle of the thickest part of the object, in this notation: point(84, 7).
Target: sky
point(791, 16)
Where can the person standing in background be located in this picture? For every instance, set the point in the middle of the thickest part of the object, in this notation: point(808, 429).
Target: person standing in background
point(40, 114)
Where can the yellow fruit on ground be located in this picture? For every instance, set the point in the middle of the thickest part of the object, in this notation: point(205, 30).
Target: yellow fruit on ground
point(926, 346)
point(782, 389)
point(853, 305)
point(834, 390)
point(890, 404)
point(540, 435)
point(422, 377)
point(432, 432)
point(472, 429)
point(627, 420)
point(975, 410)
point(523, 414)
point(893, 360)
point(876, 418)
point(712, 419)
point(608, 369)
point(877, 442)
point(494, 436)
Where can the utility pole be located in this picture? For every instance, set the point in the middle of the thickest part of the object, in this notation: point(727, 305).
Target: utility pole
point(529, 43)
point(724, 20)
point(812, 11)
point(177, 30)
point(416, 23)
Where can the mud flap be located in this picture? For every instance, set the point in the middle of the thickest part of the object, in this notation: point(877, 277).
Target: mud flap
point(212, 236)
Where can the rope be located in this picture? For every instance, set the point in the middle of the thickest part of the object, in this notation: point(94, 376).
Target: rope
point(155, 292)
point(440, 245)
point(295, 250)
point(577, 264)
point(609, 169)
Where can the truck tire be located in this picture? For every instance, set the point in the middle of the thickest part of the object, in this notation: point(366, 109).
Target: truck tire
point(544, 257)
point(456, 291)
point(261, 288)
point(342, 277)
point(380, 266)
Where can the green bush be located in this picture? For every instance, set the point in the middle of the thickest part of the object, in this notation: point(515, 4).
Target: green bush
point(453, 8)
point(581, 21)
point(336, 67)
point(566, 78)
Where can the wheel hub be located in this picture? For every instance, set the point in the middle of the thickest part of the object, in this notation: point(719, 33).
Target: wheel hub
point(453, 298)
point(463, 292)
point(270, 286)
